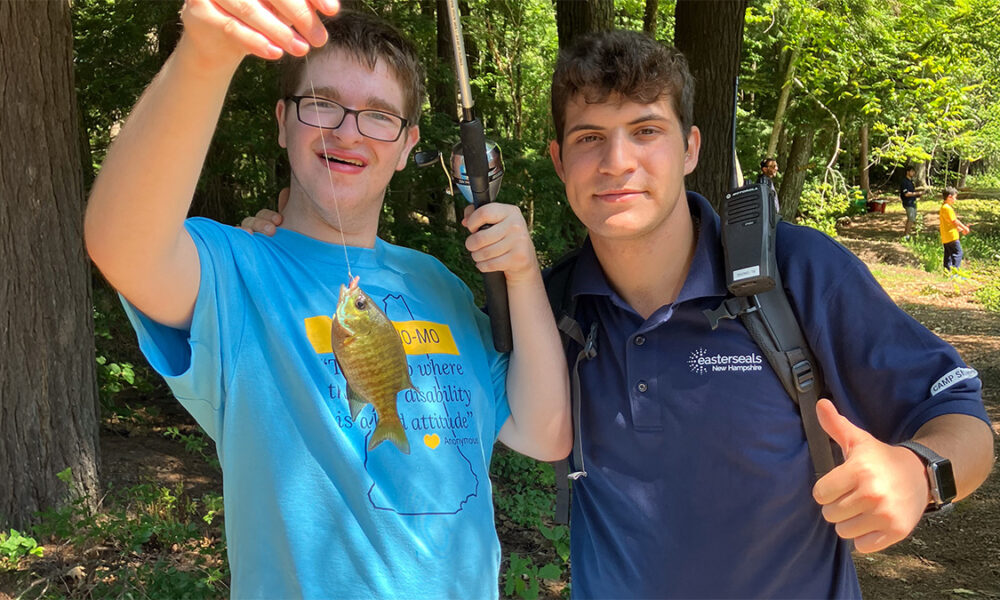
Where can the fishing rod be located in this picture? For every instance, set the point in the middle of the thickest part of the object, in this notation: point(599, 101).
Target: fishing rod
point(473, 164)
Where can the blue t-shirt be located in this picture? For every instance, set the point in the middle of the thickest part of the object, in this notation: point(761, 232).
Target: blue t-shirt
point(310, 511)
point(907, 186)
point(699, 476)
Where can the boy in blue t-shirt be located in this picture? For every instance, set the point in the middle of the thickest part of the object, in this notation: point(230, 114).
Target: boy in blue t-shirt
point(240, 325)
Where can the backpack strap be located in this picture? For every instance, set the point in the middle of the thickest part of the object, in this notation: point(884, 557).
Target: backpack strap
point(557, 285)
point(772, 324)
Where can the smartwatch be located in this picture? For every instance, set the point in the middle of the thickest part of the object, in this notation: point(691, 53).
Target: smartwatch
point(939, 474)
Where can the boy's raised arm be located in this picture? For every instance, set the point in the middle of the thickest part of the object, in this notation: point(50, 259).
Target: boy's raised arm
point(540, 425)
point(134, 226)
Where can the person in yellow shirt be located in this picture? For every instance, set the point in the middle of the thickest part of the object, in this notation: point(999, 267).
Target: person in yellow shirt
point(951, 230)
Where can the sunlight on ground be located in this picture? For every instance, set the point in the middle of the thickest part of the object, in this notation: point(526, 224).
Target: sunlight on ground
point(898, 567)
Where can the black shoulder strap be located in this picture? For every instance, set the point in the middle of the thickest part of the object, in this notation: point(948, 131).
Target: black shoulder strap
point(557, 286)
point(769, 319)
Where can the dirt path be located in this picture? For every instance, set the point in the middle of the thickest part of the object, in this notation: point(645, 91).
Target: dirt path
point(955, 555)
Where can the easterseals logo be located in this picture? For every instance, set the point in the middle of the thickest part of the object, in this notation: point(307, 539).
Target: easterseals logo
point(702, 361)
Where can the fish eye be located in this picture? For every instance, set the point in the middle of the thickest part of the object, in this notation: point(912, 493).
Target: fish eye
point(360, 303)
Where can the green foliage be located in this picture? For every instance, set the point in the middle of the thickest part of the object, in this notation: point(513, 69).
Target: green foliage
point(121, 371)
point(163, 580)
point(926, 245)
point(145, 519)
point(985, 180)
point(989, 295)
point(527, 486)
point(821, 205)
point(14, 546)
point(521, 579)
point(559, 536)
point(196, 443)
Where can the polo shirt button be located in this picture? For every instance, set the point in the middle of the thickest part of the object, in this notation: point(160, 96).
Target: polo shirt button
point(642, 387)
point(640, 340)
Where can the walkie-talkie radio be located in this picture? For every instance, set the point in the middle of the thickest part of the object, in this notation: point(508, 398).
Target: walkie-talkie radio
point(749, 221)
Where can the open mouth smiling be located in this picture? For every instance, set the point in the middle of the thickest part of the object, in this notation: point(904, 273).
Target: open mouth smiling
point(343, 161)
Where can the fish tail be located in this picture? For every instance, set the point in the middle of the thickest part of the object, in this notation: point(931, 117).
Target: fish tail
point(390, 429)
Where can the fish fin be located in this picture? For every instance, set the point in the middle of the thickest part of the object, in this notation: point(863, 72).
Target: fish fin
point(392, 430)
point(356, 402)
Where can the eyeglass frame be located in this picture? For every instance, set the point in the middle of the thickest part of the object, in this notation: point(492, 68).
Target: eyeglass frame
point(347, 111)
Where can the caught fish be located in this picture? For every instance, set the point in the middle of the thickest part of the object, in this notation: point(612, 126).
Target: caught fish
point(372, 358)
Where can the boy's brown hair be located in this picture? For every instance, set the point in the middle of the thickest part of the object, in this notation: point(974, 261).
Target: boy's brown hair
point(626, 63)
point(949, 191)
point(368, 39)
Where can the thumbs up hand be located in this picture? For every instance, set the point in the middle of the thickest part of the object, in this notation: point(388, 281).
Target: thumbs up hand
point(877, 496)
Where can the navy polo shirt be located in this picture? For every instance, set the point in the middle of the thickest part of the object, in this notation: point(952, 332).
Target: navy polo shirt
point(907, 186)
point(699, 477)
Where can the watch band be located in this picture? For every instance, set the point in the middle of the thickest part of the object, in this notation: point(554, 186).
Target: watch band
point(940, 475)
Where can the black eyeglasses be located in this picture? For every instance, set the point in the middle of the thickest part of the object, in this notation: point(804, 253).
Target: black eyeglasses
point(327, 114)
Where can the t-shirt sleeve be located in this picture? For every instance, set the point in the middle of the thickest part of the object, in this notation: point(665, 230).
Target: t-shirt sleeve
point(884, 370)
point(193, 362)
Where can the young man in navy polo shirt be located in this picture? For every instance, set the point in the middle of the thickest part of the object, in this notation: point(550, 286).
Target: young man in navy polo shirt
point(699, 477)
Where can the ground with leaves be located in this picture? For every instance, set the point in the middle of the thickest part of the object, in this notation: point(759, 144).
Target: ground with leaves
point(952, 556)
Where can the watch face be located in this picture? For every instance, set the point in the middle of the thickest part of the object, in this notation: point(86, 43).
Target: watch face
point(946, 480)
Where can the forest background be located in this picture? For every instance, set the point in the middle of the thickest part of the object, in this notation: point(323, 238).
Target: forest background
point(843, 93)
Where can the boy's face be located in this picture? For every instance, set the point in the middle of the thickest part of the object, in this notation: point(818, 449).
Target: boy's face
point(949, 199)
point(360, 167)
point(623, 165)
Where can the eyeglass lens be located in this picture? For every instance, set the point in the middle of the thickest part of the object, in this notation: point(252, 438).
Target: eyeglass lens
point(330, 115)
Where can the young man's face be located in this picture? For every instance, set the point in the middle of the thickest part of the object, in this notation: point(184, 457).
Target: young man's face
point(623, 165)
point(771, 168)
point(360, 167)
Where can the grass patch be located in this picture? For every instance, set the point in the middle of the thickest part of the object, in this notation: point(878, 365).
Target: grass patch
point(144, 541)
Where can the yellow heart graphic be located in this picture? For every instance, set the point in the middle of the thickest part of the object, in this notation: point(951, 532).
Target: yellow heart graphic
point(432, 440)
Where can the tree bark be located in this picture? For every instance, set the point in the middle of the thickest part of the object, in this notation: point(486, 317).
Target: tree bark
point(649, 17)
point(795, 173)
point(575, 18)
point(48, 390)
point(710, 34)
point(779, 113)
point(863, 160)
point(963, 172)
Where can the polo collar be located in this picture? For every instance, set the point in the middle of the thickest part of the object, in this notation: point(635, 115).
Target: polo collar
point(706, 277)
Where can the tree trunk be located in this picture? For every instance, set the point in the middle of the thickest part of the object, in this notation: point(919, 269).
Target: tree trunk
point(963, 172)
point(795, 173)
point(710, 34)
point(779, 113)
point(443, 91)
point(649, 17)
point(48, 390)
point(923, 174)
point(575, 18)
point(866, 185)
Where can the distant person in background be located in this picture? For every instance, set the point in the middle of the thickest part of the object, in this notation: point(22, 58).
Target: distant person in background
point(951, 230)
point(768, 169)
point(908, 193)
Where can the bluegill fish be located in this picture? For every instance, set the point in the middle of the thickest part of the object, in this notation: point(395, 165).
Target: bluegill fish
point(373, 361)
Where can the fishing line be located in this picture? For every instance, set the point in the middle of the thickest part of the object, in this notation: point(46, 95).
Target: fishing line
point(333, 195)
